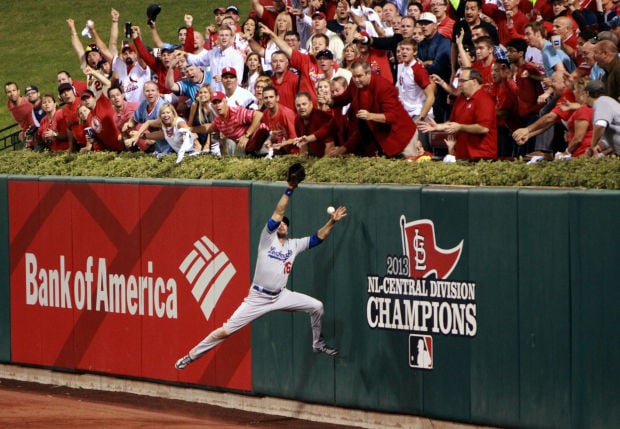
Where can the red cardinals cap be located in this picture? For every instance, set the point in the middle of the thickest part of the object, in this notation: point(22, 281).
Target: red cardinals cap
point(218, 10)
point(87, 93)
point(127, 46)
point(218, 96)
point(318, 14)
point(229, 70)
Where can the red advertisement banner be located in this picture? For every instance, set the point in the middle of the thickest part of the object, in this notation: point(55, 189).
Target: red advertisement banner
point(125, 279)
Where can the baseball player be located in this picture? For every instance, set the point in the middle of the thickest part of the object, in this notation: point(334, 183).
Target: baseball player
point(268, 292)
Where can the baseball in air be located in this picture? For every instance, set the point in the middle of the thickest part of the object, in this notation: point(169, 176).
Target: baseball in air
point(330, 210)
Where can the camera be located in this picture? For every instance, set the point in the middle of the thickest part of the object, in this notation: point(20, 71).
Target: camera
point(128, 32)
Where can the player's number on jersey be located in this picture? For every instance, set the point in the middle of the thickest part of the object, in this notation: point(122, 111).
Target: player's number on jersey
point(287, 267)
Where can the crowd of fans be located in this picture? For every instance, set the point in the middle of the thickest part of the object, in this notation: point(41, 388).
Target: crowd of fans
point(450, 80)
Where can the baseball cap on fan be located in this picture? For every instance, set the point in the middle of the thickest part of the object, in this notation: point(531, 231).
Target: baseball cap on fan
point(232, 9)
point(229, 70)
point(427, 17)
point(218, 96)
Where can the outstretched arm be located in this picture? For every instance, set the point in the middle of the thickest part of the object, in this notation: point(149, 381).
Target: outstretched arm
point(334, 217)
point(280, 209)
point(113, 43)
point(284, 47)
point(107, 54)
point(75, 40)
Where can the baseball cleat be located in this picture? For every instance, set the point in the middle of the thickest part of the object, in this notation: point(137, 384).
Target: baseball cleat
point(183, 362)
point(329, 351)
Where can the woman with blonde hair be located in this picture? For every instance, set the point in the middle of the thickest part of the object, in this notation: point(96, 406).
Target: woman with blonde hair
point(174, 130)
point(200, 113)
point(349, 54)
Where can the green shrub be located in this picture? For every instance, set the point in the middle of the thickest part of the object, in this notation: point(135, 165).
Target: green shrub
point(575, 173)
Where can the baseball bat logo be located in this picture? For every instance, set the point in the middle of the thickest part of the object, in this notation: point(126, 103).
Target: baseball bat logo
point(208, 270)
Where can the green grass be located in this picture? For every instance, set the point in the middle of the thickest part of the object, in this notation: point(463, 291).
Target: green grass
point(35, 40)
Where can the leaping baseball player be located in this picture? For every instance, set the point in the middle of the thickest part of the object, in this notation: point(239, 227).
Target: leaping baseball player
point(268, 292)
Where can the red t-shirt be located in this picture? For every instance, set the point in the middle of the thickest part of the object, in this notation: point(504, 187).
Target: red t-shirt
point(69, 121)
point(486, 73)
point(22, 113)
point(101, 120)
point(283, 122)
point(566, 96)
point(506, 99)
point(47, 124)
point(478, 109)
point(288, 88)
point(584, 113)
point(309, 69)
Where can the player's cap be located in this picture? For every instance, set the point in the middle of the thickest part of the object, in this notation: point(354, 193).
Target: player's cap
point(219, 10)
point(31, 88)
point(318, 14)
point(229, 70)
point(65, 87)
point(594, 86)
point(427, 17)
point(232, 9)
point(325, 53)
point(127, 46)
point(87, 93)
point(218, 96)
point(286, 221)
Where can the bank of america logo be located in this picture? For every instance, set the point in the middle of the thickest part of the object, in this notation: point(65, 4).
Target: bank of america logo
point(208, 270)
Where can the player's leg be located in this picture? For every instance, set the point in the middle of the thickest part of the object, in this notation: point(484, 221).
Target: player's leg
point(295, 301)
point(253, 306)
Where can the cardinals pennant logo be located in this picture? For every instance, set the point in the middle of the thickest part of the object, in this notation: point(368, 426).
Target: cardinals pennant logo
point(426, 259)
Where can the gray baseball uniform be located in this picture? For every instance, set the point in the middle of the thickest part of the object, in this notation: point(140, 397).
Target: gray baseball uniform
point(268, 291)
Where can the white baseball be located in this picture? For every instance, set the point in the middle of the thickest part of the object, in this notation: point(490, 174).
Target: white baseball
point(330, 210)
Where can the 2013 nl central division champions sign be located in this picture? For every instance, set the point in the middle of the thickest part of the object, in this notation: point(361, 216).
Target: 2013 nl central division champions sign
point(415, 294)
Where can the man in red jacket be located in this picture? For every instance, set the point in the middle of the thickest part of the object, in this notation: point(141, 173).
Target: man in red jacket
point(379, 115)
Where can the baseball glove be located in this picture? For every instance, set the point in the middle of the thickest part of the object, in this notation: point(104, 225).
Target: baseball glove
point(296, 174)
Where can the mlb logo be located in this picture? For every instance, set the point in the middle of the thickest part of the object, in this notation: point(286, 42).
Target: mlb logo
point(421, 351)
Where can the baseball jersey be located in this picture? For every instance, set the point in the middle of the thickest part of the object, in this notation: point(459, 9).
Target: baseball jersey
point(132, 81)
point(275, 260)
point(412, 79)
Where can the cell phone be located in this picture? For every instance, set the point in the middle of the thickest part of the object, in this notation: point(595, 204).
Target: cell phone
point(88, 131)
point(128, 32)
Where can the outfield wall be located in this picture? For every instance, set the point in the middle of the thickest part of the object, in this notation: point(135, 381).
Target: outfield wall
point(489, 306)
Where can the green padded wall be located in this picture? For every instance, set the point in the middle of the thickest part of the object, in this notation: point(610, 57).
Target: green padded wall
point(544, 308)
point(595, 318)
point(493, 263)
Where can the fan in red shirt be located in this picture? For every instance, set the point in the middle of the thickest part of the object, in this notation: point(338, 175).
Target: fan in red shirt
point(107, 136)
point(279, 119)
point(381, 119)
point(472, 120)
point(20, 109)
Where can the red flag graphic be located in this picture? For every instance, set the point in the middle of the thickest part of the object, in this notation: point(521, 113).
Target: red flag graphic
point(425, 257)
